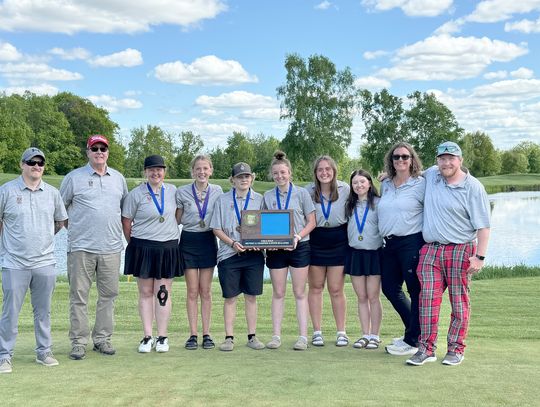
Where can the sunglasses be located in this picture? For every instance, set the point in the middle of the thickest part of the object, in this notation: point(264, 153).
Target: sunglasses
point(96, 149)
point(447, 149)
point(404, 157)
point(32, 163)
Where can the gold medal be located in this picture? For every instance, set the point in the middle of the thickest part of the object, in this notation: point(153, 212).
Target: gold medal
point(326, 224)
point(161, 219)
point(360, 237)
point(202, 224)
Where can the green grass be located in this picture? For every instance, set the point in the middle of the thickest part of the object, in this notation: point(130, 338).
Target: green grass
point(500, 369)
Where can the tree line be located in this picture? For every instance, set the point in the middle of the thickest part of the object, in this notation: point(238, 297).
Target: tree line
point(318, 101)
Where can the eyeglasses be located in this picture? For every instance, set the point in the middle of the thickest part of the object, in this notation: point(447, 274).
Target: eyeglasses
point(447, 149)
point(404, 157)
point(96, 149)
point(32, 163)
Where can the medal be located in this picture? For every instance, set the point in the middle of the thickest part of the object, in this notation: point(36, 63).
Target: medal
point(288, 197)
point(161, 219)
point(202, 211)
point(326, 211)
point(360, 237)
point(359, 226)
point(161, 208)
point(326, 224)
point(202, 224)
point(238, 228)
point(236, 210)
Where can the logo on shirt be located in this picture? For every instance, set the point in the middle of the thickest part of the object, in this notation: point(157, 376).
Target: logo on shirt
point(19, 199)
point(274, 204)
point(90, 183)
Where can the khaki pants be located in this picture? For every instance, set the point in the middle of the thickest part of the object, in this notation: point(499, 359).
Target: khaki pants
point(83, 268)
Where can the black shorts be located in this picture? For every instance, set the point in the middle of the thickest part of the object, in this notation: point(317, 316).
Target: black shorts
point(199, 249)
point(242, 274)
point(299, 257)
point(329, 246)
point(363, 262)
point(153, 259)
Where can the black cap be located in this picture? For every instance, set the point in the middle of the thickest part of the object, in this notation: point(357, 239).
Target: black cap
point(241, 168)
point(154, 161)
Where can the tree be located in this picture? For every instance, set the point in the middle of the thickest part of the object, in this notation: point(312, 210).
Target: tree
point(319, 101)
point(221, 163)
point(190, 145)
point(532, 152)
point(513, 162)
point(15, 133)
point(147, 142)
point(240, 148)
point(264, 148)
point(479, 154)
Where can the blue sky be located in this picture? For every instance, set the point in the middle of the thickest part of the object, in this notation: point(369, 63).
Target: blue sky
point(213, 66)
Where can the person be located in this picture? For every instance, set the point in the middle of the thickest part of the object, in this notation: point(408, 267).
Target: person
point(456, 230)
point(240, 270)
point(198, 246)
point(328, 242)
point(31, 213)
point(400, 212)
point(363, 261)
point(152, 255)
point(288, 196)
point(93, 196)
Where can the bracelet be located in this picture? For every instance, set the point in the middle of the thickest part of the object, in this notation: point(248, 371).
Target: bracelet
point(480, 257)
point(233, 242)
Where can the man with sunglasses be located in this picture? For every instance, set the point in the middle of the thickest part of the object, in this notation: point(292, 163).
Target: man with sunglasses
point(456, 230)
point(93, 196)
point(31, 213)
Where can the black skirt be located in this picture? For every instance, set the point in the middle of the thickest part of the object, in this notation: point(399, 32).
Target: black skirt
point(153, 259)
point(363, 262)
point(329, 246)
point(199, 250)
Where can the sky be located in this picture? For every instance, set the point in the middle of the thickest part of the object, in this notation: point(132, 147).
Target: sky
point(212, 66)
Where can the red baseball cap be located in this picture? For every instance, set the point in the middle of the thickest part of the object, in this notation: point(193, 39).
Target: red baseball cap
point(96, 138)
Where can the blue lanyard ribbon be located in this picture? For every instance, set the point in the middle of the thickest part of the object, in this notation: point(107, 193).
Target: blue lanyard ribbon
point(162, 208)
point(287, 200)
point(202, 212)
point(325, 211)
point(236, 205)
point(359, 226)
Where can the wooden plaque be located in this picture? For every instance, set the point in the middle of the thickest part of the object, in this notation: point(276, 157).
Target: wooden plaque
point(267, 229)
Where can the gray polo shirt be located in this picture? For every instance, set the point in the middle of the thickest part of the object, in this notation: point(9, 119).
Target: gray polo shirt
point(140, 207)
point(337, 210)
point(371, 238)
point(453, 213)
point(224, 218)
point(190, 216)
point(28, 224)
point(300, 203)
point(94, 205)
point(400, 209)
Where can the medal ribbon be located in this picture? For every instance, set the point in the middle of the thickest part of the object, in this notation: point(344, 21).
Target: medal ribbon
point(325, 211)
point(202, 212)
point(159, 209)
point(288, 197)
point(236, 205)
point(359, 226)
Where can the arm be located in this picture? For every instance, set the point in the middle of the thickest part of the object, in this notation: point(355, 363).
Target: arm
point(59, 225)
point(310, 225)
point(481, 249)
point(179, 213)
point(236, 245)
point(126, 227)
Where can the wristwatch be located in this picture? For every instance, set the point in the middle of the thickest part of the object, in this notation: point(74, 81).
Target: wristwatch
point(480, 257)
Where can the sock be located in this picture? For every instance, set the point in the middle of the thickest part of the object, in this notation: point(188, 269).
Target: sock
point(373, 336)
point(303, 337)
point(341, 333)
point(277, 337)
point(317, 332)
point(229, 336)
point(206, 336)
point(250, 336)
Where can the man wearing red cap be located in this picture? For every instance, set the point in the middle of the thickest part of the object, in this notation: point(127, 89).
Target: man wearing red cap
point(93, 196)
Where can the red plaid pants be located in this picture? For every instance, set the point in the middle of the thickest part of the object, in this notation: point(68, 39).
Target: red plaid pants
point(441, 267)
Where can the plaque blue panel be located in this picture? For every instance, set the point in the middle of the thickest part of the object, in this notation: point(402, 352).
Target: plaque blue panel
point(275, 224)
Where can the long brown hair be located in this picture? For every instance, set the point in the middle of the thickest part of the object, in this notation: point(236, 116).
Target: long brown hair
point(416, 165)
point(333, 185)
point(353, 198)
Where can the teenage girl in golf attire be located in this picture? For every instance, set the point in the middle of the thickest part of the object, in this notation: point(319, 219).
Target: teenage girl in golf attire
point(198, 246)
point(152, 255)
point(363, 262)
point(329, 248)
point(400, 222)
point(286, 195)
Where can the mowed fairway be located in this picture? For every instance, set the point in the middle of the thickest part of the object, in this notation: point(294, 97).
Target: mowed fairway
point(501, 365)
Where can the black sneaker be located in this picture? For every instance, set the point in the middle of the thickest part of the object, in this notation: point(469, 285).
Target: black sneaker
point(191, 343)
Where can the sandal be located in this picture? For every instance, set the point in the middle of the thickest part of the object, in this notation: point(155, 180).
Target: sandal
point(317, 340)
point(207, 342)
point(373, 343)
point(342, 340)
point(191, 343)
point(361, 343)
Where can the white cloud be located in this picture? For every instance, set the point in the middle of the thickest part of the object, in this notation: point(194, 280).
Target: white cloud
point(510, 90)
point(236, 99)
point(112, 16)
point(8, 52)
point(423, 8)
point(221, 129)
point(113, 104)
point(325, 5)
point(449, 58)
point(450, 27)
point(207, 70)
point(212, 112)
point(127, 58)
point(70, 54)
point(43, 89)
point(374, 54)
point(495, 75)
point(491, 11)
point(37, 71)
point(372, 83)
point(522, 73)
point(263, 113)
point(132, 93)
point(524, 26)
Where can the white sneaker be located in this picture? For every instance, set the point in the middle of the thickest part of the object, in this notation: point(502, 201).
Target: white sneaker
point(400, 339)
point(46, 359)
point(162, 344)
point(146, 345)
point(5, 366)
point(401, 348)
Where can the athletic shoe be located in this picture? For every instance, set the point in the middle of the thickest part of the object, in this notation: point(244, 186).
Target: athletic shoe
point(146, 345)
point(227, 345)
point(255, 343)
point(301, 344)
point(162, 344)
point(105, 348)
point(317, 340)
point(453, 359)
point(78, 352)
point(5, 366)
point(46, 359)
point(419, 358)
point(400, 339)
point(342, 340)
point(191, 343)
point(401, 348)
point(274, 343)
